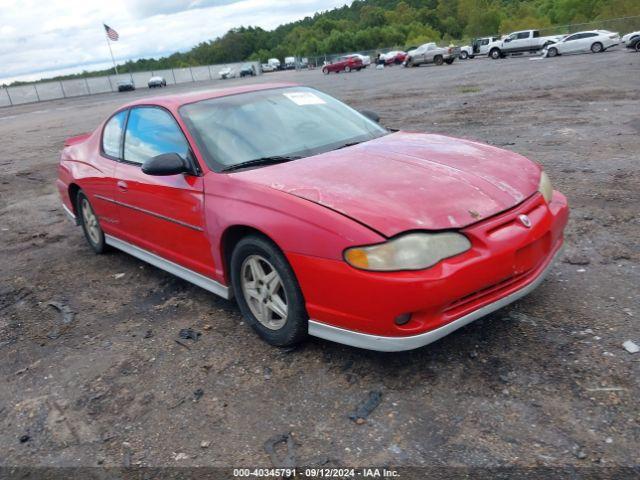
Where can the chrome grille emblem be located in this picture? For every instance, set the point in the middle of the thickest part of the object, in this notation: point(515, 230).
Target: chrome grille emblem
point(525, 220)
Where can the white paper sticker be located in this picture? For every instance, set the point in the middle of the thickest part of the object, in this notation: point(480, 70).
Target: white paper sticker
point(304, 98)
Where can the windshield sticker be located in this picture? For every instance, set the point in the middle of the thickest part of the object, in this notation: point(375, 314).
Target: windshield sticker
point(304, 98)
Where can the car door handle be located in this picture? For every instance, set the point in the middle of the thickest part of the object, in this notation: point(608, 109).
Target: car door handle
point(122, 186)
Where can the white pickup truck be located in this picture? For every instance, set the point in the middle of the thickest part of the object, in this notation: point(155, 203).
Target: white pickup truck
point(519, 43)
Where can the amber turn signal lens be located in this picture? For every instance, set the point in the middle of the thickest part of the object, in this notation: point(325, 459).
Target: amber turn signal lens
point(357, 257)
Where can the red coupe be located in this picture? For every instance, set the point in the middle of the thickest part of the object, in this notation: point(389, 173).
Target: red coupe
point(344, 64)
point(314, 217)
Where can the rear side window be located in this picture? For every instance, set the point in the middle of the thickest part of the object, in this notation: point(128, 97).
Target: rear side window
point(152, 131)
point(523, 35)
point(112, 134)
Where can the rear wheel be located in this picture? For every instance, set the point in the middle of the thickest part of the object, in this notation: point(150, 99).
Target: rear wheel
point(449, 61)
point(597, 47)
point(438, 60)
point(464, 55)
point(347, 69)
point(495, 53)
point(552, 52)
point(267, 291)
point(90, 224)
point(325, 70)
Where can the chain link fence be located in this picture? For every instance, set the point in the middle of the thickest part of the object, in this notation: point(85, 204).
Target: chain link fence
point(622, 26)
point(42, 91)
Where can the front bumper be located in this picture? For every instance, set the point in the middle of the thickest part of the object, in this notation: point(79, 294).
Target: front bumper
point(507, 260)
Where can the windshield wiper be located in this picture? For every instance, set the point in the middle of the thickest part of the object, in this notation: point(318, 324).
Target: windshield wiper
point(349, 144)
point(261, 161)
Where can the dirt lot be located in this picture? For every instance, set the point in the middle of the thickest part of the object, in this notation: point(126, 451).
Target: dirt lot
point(544, 382)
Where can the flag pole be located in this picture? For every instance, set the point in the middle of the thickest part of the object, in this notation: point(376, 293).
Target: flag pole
point(115, 67)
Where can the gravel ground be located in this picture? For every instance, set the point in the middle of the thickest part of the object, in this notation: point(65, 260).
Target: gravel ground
point(544, 382)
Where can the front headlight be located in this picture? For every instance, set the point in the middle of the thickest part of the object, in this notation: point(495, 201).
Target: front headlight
point(414, 251)
point(545, 188)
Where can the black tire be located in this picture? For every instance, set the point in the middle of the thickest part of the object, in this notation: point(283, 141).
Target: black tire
point(638, 46)
point(325, 70)
point(438, 60)
point(552, 52)
point(347, 69)
point(471, 56)
point(98, 244)
point(464, 55)
point(295, 329)
point(449, 61)
point(495, 53)
point(597, 47)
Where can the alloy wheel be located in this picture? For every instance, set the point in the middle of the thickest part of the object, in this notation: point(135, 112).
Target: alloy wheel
point(90, 221)
point(264, 292)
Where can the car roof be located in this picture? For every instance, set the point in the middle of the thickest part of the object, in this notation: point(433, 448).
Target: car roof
point(176, 100)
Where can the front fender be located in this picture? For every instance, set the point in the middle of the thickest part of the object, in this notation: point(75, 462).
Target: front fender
point(296, 225)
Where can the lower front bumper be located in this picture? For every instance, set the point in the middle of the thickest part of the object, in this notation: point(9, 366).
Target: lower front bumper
point(397, 344)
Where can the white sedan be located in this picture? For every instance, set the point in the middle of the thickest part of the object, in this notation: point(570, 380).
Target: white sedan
point(630, 36)
point(593, 40)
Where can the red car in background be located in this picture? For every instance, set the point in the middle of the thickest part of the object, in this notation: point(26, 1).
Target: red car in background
point(344, 64)
point(394, 58)
point(314, 217)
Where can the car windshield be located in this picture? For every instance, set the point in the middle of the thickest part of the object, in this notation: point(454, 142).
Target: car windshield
point(283, 123)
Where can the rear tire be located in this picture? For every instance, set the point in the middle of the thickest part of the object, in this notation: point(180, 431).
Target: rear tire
point(449, 61)
point(90, 224)
point(438, 60)
point(347, 69)
point(464, 55)
point(638, 47)
point(262, 279)
point(325, 70)
point(597, 47)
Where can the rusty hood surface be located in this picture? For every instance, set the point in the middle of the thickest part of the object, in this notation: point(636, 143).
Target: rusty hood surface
point(408, 181)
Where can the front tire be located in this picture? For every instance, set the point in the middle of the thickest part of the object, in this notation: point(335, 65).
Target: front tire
point(552, 52)
point(267, 292)
point(347, 69)
point(464, 55)
point(325, 70)
point(495, 53)
point(90, 224)
point(449, 61)
point(438, 60)
point(597, 47)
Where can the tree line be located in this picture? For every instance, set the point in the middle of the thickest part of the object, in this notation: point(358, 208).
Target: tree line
point(373, 24)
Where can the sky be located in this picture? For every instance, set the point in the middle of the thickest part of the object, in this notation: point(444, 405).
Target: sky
point(40, 39)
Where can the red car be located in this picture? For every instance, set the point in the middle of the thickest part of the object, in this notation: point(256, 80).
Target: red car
point(314, 217)
point(395, 58)
point(344, 64)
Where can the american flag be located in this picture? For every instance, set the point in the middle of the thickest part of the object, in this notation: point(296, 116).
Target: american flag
point(111, 33)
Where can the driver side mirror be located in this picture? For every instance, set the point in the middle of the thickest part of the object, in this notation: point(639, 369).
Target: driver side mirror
point(166, 164)
point(373, 116)
point(507, 39)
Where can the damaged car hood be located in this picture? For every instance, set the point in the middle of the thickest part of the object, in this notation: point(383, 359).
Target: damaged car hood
point(408, 181)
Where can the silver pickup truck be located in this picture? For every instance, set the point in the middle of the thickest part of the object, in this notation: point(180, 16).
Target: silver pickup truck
point(431, 53)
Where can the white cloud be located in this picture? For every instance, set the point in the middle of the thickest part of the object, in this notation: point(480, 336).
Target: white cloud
point(41, 39)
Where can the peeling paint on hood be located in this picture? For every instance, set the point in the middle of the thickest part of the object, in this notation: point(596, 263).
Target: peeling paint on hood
point(408, 181)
